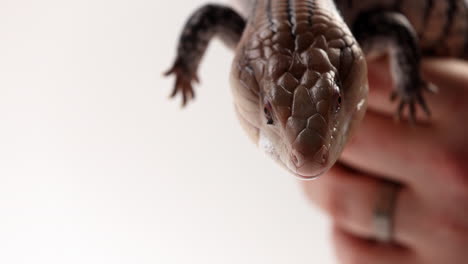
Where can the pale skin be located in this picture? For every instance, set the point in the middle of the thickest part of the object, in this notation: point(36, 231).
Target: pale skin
point(429, 160)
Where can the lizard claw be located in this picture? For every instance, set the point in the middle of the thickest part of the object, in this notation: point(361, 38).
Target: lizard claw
point(183, 82)
point(412, 98)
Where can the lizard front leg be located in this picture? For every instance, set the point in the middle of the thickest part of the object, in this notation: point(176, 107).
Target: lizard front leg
point(392, 32)
point(205, 23)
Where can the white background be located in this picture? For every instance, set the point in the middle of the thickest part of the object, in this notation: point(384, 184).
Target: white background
point(98, 166)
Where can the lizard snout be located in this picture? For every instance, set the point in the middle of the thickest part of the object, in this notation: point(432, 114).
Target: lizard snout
point(310, 166)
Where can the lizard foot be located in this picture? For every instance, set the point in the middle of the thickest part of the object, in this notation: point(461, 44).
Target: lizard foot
point(411, 98)
point(183, 83)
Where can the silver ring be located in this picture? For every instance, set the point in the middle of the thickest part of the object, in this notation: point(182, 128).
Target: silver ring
point(384, 211)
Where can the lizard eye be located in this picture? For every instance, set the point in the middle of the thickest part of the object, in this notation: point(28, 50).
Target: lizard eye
point(338, 104)
point(337, 96)
point(268, 115)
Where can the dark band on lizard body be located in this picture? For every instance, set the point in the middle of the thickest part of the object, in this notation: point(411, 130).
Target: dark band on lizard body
point(441, 25)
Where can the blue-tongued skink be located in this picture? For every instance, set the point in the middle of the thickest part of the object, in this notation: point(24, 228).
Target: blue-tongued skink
point(299, 75)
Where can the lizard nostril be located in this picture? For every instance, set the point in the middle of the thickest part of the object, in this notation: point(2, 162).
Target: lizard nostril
point(297, 159)
point(324, 157)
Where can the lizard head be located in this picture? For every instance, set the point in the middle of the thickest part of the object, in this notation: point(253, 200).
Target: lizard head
point(300, 107)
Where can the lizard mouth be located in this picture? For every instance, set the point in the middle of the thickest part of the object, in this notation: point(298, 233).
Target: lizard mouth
point(310, 177)
point(306, 155)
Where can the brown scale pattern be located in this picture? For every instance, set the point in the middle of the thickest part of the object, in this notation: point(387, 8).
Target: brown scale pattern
point(291, 62)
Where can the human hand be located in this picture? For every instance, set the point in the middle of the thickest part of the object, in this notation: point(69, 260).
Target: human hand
point(429, 160)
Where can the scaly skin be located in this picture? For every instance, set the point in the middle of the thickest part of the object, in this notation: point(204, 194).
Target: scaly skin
point(300, 64)
point(441, 25)
point(299, 76)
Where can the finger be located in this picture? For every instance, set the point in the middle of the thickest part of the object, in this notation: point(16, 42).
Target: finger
point(351, 199)
point(176, 88)
point(184, 99)
point(192, 93)
point(352, 250)
point(394, 151)
point(447, 75)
